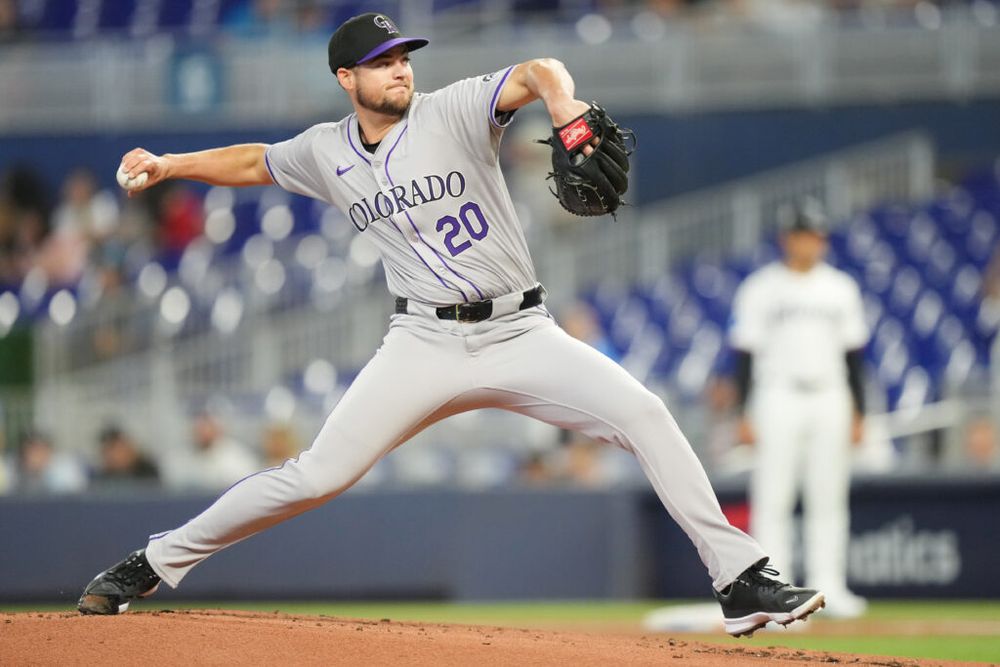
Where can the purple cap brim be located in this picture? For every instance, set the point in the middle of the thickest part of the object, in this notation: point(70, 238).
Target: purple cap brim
point(415, 42)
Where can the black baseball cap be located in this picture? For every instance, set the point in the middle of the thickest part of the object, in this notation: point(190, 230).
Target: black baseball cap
point(361, 38)
point(803, 216)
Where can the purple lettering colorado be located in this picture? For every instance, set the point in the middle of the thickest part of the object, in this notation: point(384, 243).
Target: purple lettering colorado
point(430, 188)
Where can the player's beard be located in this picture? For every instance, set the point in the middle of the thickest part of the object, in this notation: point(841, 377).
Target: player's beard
point(388, 106)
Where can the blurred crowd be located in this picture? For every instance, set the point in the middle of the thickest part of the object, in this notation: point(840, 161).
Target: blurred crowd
point(211, 460)
point(84, 228)
point(87, 239)
point(22, 20)
point(57, 240)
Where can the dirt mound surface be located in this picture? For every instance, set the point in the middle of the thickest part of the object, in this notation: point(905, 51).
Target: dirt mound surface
point(227, 638)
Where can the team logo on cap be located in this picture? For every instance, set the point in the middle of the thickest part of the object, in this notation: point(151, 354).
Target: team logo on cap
point(386, 23)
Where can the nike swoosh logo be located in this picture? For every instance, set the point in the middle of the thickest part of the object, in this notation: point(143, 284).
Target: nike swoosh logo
point(343, 170)
point(792, 599)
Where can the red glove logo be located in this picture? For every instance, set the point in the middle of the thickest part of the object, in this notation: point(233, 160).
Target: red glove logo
point(575, 133)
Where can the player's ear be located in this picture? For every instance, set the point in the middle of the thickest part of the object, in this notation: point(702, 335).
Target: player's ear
point(345, 77)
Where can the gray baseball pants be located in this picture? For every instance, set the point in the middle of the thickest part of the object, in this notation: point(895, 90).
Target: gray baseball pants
point(428, 369)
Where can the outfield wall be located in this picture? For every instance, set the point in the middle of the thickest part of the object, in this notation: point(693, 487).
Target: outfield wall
point(926, 539)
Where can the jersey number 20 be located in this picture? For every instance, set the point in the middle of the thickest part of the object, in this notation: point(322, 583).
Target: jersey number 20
point(473, 221)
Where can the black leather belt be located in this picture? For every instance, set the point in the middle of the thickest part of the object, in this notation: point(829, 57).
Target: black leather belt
point(477, 311)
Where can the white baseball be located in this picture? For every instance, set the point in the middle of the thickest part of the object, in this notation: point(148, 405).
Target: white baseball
point(130, 183)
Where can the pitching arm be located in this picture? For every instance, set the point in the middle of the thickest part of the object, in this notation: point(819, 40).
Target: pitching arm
point(239, 165)
point(548, 80)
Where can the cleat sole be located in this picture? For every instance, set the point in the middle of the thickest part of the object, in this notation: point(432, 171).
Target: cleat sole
point(745, 626)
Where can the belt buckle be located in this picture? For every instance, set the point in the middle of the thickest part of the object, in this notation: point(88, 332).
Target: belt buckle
point(466, 319)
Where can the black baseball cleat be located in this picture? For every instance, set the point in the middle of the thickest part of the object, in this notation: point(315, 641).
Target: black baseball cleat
point(753, 600)
point(112, 590)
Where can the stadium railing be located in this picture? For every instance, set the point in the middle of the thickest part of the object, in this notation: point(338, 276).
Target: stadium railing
point(166, 81)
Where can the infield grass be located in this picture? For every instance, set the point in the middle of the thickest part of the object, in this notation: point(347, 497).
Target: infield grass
point(904, 629)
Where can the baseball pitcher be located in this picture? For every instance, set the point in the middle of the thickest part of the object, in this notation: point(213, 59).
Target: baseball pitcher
point(418, 173)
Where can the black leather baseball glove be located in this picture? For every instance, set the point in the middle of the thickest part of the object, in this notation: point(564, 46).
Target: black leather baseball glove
point(590, 184)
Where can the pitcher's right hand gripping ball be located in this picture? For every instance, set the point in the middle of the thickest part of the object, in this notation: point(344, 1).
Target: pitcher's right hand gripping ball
point(590, 184)
point(140, 170)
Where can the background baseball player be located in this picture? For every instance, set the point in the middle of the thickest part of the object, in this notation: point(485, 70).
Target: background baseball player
point(419, 174)
point(799, 329)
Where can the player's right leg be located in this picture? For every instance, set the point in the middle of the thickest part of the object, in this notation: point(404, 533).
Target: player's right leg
point(780, 427)
point(408, 385)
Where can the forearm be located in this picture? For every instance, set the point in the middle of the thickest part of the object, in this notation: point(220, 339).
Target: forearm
point(238, 165)
point(545, 79)
point(742, 377)
point(855, 379)
point(548, 79)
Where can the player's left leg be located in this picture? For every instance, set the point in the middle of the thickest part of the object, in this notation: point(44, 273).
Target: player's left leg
point(544, 373)
point(826, 501)
point(780, 425)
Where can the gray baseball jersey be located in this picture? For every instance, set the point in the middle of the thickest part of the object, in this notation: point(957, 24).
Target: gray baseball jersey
point(434, 201)
point(432, 197)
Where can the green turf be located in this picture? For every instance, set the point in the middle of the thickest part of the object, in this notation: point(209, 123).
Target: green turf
point(985, 610)
point(978, 648)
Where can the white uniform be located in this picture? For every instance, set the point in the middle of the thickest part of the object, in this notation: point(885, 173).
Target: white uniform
point(798, 328)
point(433, 200)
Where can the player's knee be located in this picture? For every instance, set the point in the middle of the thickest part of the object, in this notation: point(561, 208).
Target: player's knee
point(320, 482)
point(648, 411)
point(645, 416)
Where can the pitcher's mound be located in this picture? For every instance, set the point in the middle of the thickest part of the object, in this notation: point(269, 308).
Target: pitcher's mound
point(240, 638)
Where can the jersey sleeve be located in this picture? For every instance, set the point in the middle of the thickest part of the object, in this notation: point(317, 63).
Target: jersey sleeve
point(467, 108)
point(855, 330)
point(294, 167)
point(746, 326)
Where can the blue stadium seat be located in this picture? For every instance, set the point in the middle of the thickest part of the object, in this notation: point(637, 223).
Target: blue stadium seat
point(58, 16)
point(116, 15)
point(981, 242)
point(175, 14)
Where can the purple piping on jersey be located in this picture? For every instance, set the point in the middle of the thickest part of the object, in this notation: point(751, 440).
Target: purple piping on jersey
point(351, 142)
point(412, 224)
point(385, 46)
point(267, 163)
point(496, 97)
point(419, 256)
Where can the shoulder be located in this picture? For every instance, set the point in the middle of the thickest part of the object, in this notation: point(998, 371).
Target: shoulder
point(479, 84)
point(841, 279)
point(319, 133)
point(765, 275)
point(327, 130)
